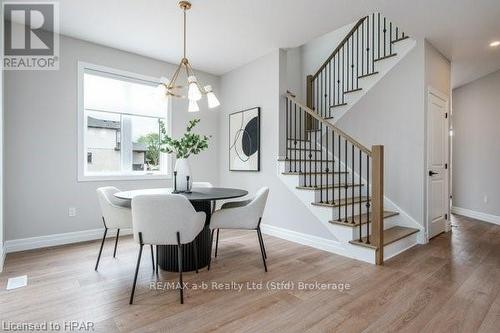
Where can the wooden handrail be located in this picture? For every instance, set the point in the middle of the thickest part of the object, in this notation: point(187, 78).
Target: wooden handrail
point(351, 32)
point(331, 126)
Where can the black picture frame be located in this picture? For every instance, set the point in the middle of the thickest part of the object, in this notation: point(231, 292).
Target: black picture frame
point(231, 140)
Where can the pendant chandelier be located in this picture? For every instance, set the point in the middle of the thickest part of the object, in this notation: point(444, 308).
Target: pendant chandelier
point(195, 91)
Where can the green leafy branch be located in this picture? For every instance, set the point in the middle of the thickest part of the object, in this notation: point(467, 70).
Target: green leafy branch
point(190, 144)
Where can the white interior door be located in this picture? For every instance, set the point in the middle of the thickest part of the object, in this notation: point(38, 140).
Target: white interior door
point(437, 164)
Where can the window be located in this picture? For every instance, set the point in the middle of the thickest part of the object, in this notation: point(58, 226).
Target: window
point(119, 126)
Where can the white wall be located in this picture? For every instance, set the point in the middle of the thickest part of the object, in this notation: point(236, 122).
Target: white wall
point(258, 84)
point(392, 114)
point(41, 141)
point(476, 145)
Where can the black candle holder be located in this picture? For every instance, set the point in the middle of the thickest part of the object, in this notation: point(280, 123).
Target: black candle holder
point(188, 188)
point(175, 183)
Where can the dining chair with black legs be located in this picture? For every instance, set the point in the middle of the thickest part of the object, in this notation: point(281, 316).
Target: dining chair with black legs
point(116, 214)
point(243, 215)
point(165, 219)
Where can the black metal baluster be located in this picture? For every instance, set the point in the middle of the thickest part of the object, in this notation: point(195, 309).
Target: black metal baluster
point(352, 62)
point(360, 192)
point(315, 157)
point(352, 183)
point(339, 177)
point(333, 167)
point(329, 101)
point(378, 35)
point(327, 170)
point(348, 67)
point(287, 117)
point(301, 136)
point(390, 37)
point(385, 31)
point(363, 48)
point(345, 182)
point(357, 59)
point(295, 138)
point(321, 162)
point(343, 73)
point(373, 43)
point(368, 199)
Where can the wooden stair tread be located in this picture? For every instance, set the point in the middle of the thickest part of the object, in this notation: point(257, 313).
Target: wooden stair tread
point(352, 90)
point(391, 235)
point(386, 57)
point(400, 39)
point(301, 173)
point(341, 202)
point(367, 75)
point(323, 187)
point(337, 105)
point(364, 219)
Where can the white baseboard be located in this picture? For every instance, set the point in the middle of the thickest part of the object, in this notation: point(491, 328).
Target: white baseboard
point(23, 244)
point(476, 215)
point(304, 239)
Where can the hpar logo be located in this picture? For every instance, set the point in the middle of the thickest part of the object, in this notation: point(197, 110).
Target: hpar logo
point(31, 35)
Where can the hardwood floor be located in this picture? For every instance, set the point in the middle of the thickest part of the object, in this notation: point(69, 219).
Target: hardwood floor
point(450, 285)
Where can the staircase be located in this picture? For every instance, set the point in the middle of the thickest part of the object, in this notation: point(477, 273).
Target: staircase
point(338, 178)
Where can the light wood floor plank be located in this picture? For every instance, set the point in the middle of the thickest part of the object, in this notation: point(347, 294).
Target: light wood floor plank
point(451, 284)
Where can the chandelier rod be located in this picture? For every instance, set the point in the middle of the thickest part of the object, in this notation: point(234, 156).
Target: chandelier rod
point(184, 10)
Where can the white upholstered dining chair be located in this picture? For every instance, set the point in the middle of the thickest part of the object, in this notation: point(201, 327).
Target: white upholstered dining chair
point(165, 219)
point(116, 214)
point(245, 215)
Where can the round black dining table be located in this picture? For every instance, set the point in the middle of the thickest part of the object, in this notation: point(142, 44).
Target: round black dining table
point(201, 199)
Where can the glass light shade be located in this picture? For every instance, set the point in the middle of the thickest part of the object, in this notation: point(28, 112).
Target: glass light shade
point(213, 102)
point(194, 93)
point(193, 106)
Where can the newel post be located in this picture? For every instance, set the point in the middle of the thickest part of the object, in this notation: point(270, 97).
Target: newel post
point(378, 202)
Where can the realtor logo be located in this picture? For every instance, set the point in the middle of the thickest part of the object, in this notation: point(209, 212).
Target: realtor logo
point(31, 36)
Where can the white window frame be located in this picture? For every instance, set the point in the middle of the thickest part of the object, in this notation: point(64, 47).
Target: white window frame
point(82, 125)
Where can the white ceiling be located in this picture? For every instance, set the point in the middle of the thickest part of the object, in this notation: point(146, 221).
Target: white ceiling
point(225, 34)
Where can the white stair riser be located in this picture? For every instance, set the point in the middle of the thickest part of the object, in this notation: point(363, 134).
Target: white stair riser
point(308, 180)
point(301, 144)
point(334, 193)
point(306, 166)
point(304, 155)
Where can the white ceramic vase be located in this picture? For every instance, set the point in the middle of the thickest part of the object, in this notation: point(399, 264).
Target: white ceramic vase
point(183, 170)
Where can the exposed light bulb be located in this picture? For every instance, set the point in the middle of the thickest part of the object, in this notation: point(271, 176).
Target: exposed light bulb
point(212, 100)
point(193, 106)
point(495, 43)
point(194, 93)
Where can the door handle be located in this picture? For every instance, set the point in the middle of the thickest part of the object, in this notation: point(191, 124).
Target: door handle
point(432, 173)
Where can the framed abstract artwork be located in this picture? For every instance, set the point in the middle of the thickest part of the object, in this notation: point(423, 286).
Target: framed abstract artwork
point(244, 140)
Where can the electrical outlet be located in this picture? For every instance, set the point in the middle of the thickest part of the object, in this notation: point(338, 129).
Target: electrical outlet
point(485, 199)
point(72, 211)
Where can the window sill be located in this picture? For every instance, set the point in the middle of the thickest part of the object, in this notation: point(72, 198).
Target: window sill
point(109, 177)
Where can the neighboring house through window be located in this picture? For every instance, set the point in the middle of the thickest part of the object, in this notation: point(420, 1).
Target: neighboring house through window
point(119, 115)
